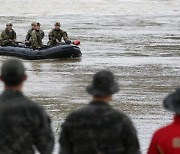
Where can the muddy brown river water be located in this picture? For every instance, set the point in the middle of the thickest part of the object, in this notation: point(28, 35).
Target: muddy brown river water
point(139, 40)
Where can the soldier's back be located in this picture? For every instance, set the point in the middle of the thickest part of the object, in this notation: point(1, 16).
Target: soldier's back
point(98, 128)
point(21, 122)
point(30, 31)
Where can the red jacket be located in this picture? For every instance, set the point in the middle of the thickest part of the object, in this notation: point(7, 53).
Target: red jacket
point(167, 139)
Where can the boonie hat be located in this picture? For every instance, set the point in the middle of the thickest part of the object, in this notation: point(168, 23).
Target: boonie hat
point(172, 101)
point(103, 84)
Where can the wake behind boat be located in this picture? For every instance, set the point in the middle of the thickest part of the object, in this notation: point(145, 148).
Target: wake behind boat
point(53, 52)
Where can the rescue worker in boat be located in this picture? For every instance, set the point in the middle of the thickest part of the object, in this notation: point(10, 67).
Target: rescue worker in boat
point(28, 36)
point(41, 31)
point(8, 36)
point(56, 35)
point(36, 38)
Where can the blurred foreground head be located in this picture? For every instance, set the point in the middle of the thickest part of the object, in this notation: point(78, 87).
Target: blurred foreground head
point(13, 73)
point(172, 101)
point(103, 84)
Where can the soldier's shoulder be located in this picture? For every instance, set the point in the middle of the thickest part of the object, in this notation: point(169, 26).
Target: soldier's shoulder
point(90, 109)
point(123, 118)
point(78, 113)
point(30, 30)
point(33, 105)
point(35, 110)
point(41, 31)
point(86, 111)
point(52, 30)
point(118, 113)
point(3, 32)
point(13, 32)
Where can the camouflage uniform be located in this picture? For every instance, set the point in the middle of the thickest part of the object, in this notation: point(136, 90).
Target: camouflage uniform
point(98, 129)
point(7, 36)
point(24, 125)
point(36, 39)
point(28, 36)
point(57, 34)
point(42, 33)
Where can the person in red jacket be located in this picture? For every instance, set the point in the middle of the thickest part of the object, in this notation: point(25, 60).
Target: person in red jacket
point(167, 139)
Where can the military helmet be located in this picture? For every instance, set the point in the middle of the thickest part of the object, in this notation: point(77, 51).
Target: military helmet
point(172, 101)
point(57, 24)
point(9, 24)
point(103, 84)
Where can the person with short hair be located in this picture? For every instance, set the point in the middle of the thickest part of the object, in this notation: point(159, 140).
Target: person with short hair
point(56, 35)
point(24, 125)
point(41, 31)
point(166, 140)
point(98, 128)
point(28, 36)
point(8, 36)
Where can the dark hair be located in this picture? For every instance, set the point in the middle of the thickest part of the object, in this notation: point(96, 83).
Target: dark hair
point(12, 72)
point(12, 80)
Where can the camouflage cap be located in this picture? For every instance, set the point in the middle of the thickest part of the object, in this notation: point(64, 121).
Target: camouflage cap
point(33, 23)
point(12, 72)
point(9, 24)
point(57, 24)
point(103, 84)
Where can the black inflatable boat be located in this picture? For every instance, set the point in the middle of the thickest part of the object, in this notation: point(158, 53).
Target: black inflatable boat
point(55, 52)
